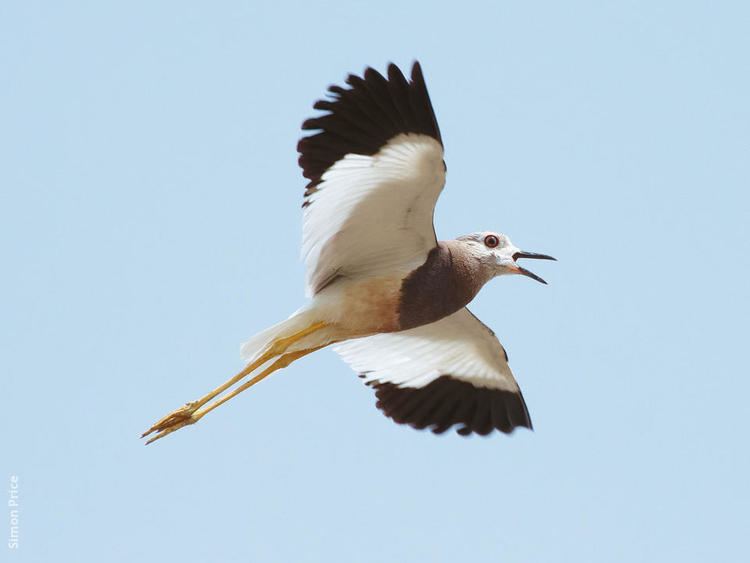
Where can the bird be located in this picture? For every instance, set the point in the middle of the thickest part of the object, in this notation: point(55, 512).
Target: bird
point(383, 291)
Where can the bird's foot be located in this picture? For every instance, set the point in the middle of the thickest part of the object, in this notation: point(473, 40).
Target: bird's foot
point(184, 416)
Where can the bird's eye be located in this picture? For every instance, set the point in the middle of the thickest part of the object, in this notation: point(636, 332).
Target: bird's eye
point(491, 241)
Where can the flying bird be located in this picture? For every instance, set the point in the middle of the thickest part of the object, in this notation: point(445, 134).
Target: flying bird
point(383, 291)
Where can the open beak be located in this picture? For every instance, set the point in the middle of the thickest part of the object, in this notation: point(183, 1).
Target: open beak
point(535, 256)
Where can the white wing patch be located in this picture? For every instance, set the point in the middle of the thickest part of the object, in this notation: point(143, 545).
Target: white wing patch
point(459, 346)
point(374, 213)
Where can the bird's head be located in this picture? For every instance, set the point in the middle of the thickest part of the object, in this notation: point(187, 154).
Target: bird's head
point(497, 252)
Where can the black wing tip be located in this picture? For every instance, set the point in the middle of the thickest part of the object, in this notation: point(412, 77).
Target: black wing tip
point(447, 402)
point(395, 74)
point(417, 75)
point(362, 118)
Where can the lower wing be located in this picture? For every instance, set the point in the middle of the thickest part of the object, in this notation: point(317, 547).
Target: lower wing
point(450, 372)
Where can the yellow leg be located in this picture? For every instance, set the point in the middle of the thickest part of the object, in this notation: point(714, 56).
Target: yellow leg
point(282, 362)
point(184, 415)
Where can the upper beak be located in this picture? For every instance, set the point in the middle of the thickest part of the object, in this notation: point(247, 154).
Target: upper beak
point(535, 256)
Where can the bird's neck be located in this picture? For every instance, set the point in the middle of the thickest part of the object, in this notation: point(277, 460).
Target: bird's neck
point(447, 281)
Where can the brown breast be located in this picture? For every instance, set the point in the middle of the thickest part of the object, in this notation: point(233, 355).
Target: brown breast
point(447, 281)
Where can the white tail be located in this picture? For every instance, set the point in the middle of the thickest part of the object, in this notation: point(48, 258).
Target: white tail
point(259, 343)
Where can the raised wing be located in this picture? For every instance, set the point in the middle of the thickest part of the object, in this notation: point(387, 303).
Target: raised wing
point(450, 372)
point(375, 169)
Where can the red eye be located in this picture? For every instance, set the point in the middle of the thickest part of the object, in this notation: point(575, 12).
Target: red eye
point(491, 241)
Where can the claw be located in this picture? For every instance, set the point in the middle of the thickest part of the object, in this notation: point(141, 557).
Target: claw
point(173, 421)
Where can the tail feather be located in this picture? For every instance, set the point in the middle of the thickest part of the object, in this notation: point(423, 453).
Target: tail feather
point(259, 343)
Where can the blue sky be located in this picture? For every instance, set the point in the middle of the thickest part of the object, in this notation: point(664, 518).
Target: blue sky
point(150, 222)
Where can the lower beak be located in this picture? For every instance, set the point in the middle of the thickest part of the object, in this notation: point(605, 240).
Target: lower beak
point(535, 256)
